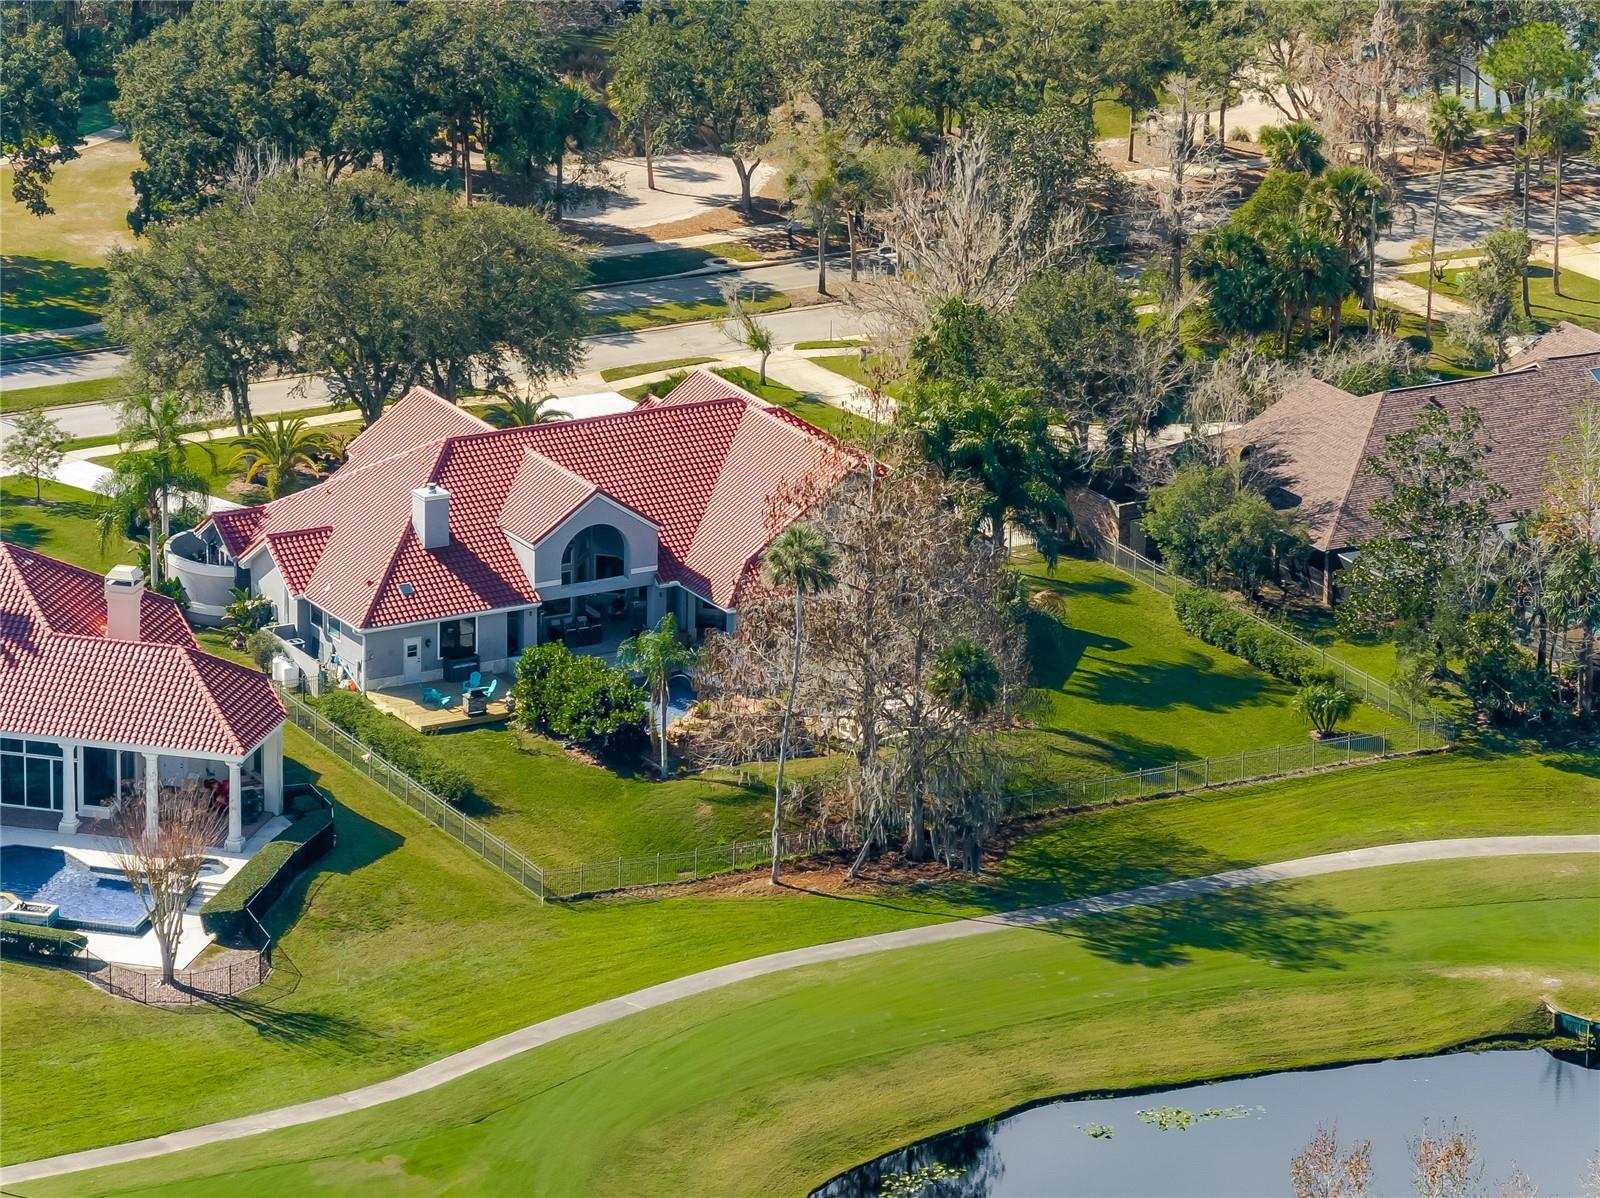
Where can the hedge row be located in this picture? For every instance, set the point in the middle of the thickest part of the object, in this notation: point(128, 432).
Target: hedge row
point(223, 914)
point(409, 750)
point(31, 940)
point(1217, 622)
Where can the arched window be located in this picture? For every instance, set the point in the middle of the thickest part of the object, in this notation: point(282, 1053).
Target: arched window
point(599, 551)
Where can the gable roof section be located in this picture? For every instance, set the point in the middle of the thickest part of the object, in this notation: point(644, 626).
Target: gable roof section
point(1560, 342)
point(1317, 440)
point(543, 495)
point(61, 678)
point(416, 418)
point(701, 384)
point(701, 471)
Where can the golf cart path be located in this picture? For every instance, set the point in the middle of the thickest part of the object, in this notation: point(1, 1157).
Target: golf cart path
point(599, 1014)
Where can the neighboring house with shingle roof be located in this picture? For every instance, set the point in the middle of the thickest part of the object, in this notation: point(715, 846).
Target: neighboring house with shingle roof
point(104, 695)
point(1309, 451)
point(443, 545)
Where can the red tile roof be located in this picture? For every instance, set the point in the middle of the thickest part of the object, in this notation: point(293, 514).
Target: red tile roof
point(705, 472)
point(417, 417)
point(61, 678)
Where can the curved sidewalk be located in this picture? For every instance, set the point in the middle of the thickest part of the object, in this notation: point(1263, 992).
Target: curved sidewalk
point(491, 1052)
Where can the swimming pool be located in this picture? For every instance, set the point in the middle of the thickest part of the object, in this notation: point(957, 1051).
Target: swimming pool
point(90, 899)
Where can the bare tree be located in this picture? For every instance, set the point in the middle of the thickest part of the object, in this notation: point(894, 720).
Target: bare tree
point(912, 587)
point(968, 229)
point(1445, 1164)
point(1323, 1170)
point(1189, 191)
point(163, 863)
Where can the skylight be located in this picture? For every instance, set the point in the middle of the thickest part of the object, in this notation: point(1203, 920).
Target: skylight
point(407, 589)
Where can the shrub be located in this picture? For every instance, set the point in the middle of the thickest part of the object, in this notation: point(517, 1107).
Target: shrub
point(1324, 705)
point(223, 914)
point(262, 647)
point(408, 750)
point(27, 940)
point(1217, 622)
point(579, 698)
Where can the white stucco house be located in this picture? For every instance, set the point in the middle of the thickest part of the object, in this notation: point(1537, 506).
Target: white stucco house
point(443, 545)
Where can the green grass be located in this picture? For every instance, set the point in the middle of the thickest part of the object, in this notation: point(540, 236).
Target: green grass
point(62, 525)
point(1110, 119)
point(562, 811)
point(612, 373)
point(849, 365)
point(847, 426)
point(839, 343)
point(1580, 302)
point(738, 1091)
point(669, 260)
point(52, 267)
point(409, 947)
point(733, 251)
point(95, 116)
point(59, 395)
point(1122, 685)
point(655, 315)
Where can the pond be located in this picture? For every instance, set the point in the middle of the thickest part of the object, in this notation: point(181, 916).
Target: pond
point(1528, 1109)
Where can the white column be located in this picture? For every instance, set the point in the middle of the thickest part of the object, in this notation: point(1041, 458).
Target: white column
point(69, 789)
point(152, 793)
point(235, 841)
point(272, 771)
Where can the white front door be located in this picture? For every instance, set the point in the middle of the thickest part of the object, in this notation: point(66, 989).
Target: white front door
point(413, 659)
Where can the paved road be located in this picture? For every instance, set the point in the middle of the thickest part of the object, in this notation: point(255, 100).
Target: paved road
point(548, 1031)
point(1468, 215)
point(291, 394)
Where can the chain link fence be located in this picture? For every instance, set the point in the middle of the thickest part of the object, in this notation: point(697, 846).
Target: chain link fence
point(1360, 683)
point(414, 795)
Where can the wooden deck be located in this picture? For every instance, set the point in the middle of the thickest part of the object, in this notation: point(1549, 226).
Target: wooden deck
point(405, 703)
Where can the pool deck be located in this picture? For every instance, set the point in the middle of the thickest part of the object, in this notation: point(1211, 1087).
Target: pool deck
point(100, 852)
point(406, 704)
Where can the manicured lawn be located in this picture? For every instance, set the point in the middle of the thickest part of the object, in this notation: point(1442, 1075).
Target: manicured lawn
point(849, 365)
point(1370, 653)
point(75, 343)
point(847, 426)
point(213, 461)
point(52, 264)
point(561, 811)
point(1122, 685)
point(843, 343)
point(1111, 119)
point(679, 313)
point(61, 394)
point(63, 525)
point(1579, 303)
point(410, 947)
point(739, 1091)
point(612, 373)
point(652, 264)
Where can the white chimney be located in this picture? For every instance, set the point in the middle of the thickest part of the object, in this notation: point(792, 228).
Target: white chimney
point(430, 515)
point(124, 595)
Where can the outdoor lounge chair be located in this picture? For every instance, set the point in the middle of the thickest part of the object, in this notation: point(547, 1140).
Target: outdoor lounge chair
point(438, 698)
point(494, 685)
point(474, 680)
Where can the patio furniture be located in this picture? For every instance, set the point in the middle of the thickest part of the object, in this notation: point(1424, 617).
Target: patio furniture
point(494, 685)
point(436, 697)
point(474, 680)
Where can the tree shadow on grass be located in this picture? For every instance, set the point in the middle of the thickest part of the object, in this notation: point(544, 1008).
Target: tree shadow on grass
point(321, 1028)
point(1056, 649)
point(1192, 681)
point(1266, 923)
point(44, 293)
point(22, 532)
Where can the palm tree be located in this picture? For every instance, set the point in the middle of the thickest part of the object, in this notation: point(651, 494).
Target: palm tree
point(799, 560)
point(1311, 269)
point(142, 485)
point(658, 656)
point(279, 449)
point(1296, 146)
point(157, 423)
point(1350, 199)
point(1560, 130)
point(1449, 129)
point(520, 410)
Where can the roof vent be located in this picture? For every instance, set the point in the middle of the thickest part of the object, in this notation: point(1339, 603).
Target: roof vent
point(124, 598)
point(430, 516)
point(407, 589)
